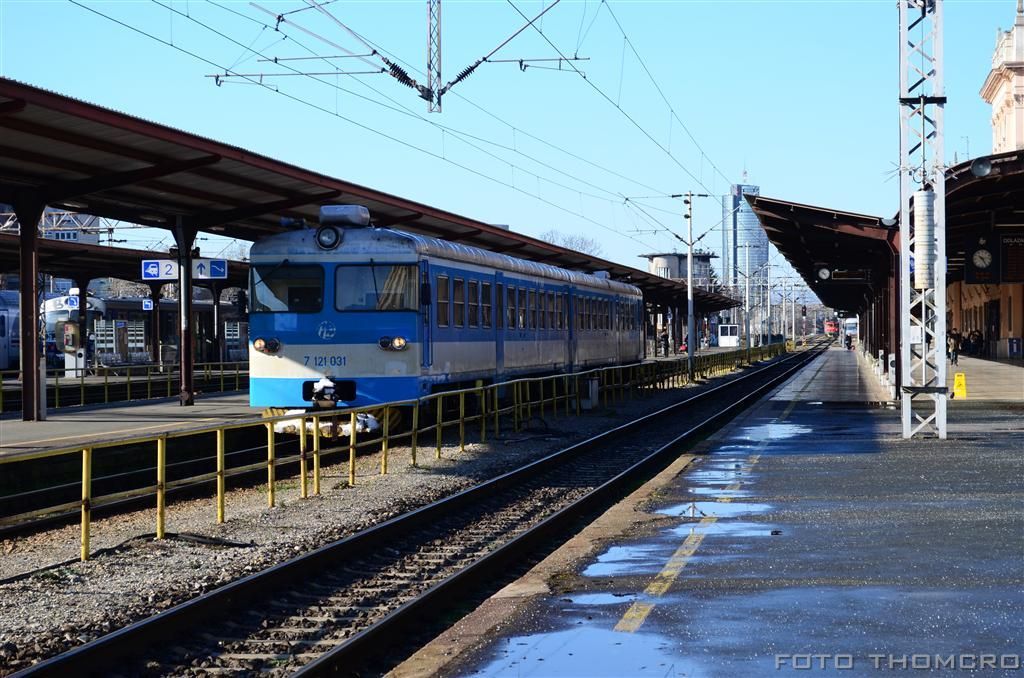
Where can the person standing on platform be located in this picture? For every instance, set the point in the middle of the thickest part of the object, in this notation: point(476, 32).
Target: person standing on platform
point(663, 339)
point(954, 347)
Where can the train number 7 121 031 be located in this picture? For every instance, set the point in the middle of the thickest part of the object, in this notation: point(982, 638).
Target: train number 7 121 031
point(324, 360)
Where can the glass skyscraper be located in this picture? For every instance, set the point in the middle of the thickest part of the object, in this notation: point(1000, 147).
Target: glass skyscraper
point(740, 232)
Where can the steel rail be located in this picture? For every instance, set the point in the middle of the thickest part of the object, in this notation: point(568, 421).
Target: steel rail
point(96, 656)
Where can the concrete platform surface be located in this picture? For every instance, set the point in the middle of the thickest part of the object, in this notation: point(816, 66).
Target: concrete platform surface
point(812, 540)
point(81, 425)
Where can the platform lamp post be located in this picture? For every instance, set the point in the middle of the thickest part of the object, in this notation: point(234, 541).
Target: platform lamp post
point(688, 201)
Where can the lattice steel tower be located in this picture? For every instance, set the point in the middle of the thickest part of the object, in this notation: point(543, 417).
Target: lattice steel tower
point(434, 82)
point(923, 235)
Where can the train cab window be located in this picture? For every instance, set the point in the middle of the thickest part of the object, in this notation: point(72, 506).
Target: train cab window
point(474, 303)
point(376, 287)
point(283, 288)
point(459, 303)
point(442, 301)
point(485, 304)
point(522, 309)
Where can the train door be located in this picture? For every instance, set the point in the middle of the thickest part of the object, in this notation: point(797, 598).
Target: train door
point(5, 341)
point(499, 323)
point(426, 315)
point(570, 311)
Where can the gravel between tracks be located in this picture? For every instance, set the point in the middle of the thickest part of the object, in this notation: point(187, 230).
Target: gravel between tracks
point(134, 576)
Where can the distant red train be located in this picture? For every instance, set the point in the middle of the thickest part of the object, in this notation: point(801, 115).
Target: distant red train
point(832, 328)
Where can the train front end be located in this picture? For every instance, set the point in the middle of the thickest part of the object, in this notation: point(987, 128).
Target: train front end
point(335, 317)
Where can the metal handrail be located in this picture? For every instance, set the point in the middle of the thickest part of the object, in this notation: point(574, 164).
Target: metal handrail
point(158, 381)
point(547, 393)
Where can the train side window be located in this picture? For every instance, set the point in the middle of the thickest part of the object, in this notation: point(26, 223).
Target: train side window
point(485, 304)
point(510, 307)
point(532, 310)
point(442, 301)
point(474, 303)
point(558, 312)
point(459, 303)
point(522, 308)
point(551, 311)
point(588, 314)
point(541, 310)
point(3, 326)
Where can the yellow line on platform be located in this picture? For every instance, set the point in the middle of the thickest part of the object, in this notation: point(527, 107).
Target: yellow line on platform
point(637, 613)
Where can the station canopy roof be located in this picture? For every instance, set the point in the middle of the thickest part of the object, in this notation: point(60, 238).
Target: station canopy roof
point(855, 250)
point(983, 196)
point(97, 161)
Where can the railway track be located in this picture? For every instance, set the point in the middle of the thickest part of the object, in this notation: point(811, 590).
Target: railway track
point(335, 609)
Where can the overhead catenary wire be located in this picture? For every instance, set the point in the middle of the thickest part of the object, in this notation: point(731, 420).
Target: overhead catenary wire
point(351, 121)
point(631, 119)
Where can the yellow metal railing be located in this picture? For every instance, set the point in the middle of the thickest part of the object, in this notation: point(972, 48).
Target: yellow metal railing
point(557, 395)
point(131, 382)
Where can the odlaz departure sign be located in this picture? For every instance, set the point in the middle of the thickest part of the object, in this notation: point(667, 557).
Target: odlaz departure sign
point(1012, 255)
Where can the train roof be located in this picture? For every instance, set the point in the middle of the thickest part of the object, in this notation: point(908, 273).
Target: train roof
point(383, 241)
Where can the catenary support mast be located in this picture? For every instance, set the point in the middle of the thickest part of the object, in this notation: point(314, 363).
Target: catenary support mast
point(922, 220)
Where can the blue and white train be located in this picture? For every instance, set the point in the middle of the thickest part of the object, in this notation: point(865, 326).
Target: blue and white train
point(349, 315)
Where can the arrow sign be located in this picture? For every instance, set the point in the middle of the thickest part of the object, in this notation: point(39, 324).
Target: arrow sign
point(147, 304)
point(159, 269)
point(210, 269)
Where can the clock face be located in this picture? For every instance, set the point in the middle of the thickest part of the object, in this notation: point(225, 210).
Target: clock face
point(824, 273)
point(982, 258)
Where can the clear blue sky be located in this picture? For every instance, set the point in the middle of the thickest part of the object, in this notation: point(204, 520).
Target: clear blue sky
point(801, 95)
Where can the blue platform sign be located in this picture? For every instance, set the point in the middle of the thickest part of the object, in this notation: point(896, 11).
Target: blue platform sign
point(210, 269)
point(159, 269)
point(147, 304)
point(72, 302)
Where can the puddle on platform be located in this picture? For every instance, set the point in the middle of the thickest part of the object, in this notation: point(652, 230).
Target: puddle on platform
point(626, 560)
point(720, 509)
point(586, 651)
point(776, 431)
point(587, 599)
point(728, 528)
point(717, 491)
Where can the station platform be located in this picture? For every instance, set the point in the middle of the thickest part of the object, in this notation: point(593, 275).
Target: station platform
point(811, 539)
point(80, 426)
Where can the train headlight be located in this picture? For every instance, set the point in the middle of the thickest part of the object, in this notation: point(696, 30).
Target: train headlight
point(327, 237)
point(270, 346)
point(393, 343)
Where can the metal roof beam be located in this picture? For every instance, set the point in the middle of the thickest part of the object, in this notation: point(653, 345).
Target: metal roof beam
point(12, 106)
point(208, 219)
point(73, 189)
point(391, 220)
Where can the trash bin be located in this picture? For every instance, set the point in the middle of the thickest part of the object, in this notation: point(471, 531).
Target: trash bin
point(591, 393)
point(1015, 347)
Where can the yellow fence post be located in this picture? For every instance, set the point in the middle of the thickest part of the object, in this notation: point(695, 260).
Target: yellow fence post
point(384, 441)
point(440, 419)
point(86, 500)
point(270, 464)
point(497, 413)
point(351, 449)
point(220, 475)
point(316, 455)
point(56, 389)
point(303, 463)
point(415, 430)
point(462, 421)
point(515, 406)
point(483, 416)
point(540, 385)
point(161, 485)
point(129, 395)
